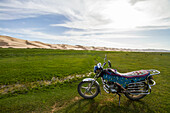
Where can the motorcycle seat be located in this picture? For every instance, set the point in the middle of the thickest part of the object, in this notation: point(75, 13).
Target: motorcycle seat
point(139, 73)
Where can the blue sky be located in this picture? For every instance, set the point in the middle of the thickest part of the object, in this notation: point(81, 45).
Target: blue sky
point(140, 24)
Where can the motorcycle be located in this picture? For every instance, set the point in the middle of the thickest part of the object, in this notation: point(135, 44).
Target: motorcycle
point(134, 85)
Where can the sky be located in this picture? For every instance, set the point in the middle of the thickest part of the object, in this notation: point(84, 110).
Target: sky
point(132, 24)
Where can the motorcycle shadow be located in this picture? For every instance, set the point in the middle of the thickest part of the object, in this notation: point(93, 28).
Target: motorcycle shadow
point(93, 106)
point(138, 106)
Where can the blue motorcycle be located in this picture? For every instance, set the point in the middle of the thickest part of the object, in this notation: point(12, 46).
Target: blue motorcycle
point(134, 85)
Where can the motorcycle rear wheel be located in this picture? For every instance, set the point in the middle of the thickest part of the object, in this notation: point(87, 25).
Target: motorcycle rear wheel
point(86, 92)
point(135, 97)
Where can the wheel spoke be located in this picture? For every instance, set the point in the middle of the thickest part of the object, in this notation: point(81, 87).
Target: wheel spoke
point(84, 87)
point(91, 92)
point(85, 92)
point(89, 85)
point(93, 88)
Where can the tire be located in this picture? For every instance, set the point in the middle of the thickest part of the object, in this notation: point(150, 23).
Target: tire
point(136, 97)
point(93, 92)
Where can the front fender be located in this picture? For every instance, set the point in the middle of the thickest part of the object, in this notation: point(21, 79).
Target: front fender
point(92, 79)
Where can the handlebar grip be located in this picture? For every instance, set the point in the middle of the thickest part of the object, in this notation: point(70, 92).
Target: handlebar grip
point(104, 64)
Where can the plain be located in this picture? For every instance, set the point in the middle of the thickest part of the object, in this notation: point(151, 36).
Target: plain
point(24, 66)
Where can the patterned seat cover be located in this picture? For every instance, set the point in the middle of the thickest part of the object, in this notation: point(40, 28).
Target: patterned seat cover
point(139, 73)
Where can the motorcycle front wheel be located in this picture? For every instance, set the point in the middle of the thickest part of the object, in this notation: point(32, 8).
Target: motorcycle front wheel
point(87, 90)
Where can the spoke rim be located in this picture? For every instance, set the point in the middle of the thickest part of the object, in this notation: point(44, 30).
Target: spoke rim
point(87, 91)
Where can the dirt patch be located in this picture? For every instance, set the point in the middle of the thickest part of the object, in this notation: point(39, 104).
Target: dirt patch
point(58, 106)
point(4, 89)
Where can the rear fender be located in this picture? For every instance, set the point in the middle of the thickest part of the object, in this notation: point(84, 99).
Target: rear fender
point(92, 79)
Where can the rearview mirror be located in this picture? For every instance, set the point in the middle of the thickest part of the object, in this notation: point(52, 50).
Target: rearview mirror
point(109, 64)
point(105, 58)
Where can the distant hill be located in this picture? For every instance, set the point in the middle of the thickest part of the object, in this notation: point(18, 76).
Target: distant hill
point(10, 42)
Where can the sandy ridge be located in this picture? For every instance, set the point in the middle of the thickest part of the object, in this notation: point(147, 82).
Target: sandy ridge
point(10, 42)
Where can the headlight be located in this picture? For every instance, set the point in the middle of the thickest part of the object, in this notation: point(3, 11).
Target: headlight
point(95, 69)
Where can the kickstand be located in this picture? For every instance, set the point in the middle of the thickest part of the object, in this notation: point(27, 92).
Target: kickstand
point(119, 98)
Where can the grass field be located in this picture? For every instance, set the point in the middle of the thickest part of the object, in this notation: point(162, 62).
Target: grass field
point(23, 66)
point(26, 65)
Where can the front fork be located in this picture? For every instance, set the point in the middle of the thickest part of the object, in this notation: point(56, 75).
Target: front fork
point(105, 86)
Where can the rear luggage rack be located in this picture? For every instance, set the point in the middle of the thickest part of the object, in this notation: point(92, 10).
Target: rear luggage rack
point(153, 72)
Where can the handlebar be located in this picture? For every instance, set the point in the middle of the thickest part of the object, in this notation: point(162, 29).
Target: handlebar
point(104, 64)
point(109, 63)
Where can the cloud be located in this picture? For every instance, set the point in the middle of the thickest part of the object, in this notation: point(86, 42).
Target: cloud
point(135, 1)
point(17, 9)
point(91, 22)
point(32, 33)
point(119, 15)
point(153, 27)
point(105, 34)
point(92, 14)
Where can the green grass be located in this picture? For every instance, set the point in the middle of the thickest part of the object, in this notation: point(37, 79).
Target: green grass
point(27, 65)
point(38, 100)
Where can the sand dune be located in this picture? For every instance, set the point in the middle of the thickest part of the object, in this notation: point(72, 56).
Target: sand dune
point(10, 42)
